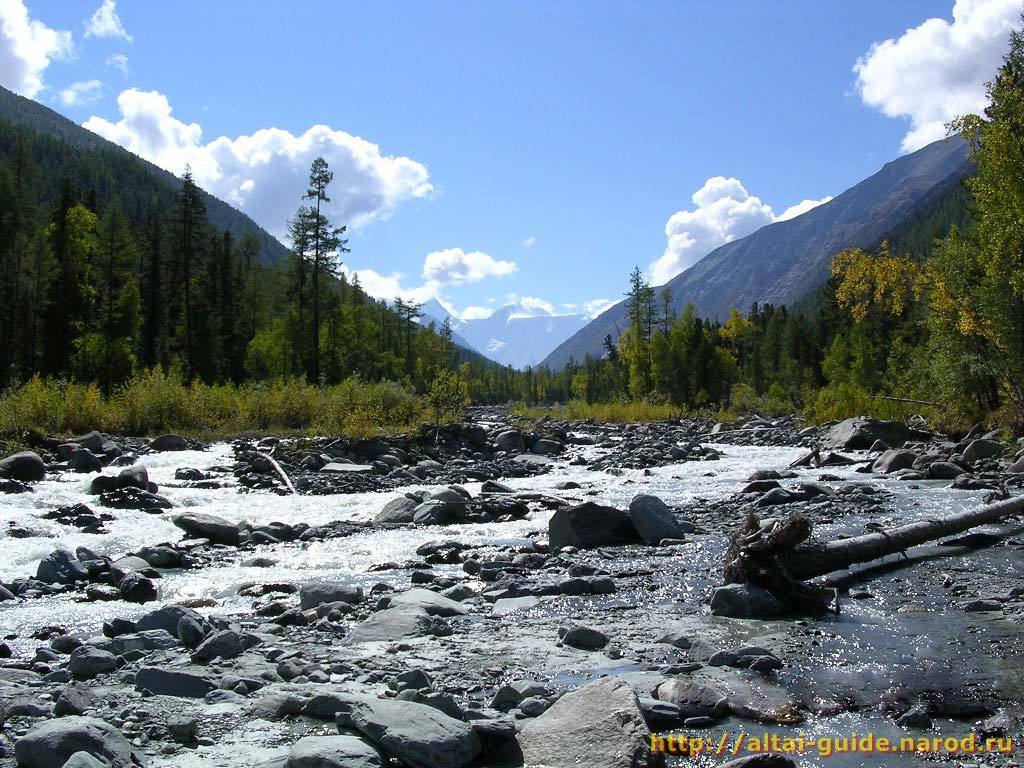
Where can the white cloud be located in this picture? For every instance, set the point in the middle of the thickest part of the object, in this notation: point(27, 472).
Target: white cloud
point(936, 71)
point(265, 173)
point(529, 242)
point(455, 266)
point(27, 46)
point(724, 211)
point(119, 62)
point(81, 93)
point(106, 23)
point(595, 307)
point(474, 313)
point(530, 306)
point(802, 207)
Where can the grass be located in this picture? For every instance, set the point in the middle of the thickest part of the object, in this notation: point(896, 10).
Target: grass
point(154, 403)
point(617, 413)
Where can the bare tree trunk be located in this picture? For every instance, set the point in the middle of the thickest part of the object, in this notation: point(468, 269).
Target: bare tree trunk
point(807, 560)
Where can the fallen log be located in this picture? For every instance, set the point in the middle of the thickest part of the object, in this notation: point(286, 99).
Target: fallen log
point(779, 559)
point(280, 472)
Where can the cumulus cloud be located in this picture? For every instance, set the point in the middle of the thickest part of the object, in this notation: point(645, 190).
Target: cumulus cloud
point(27, 46)
point(473, 313)
point(265, 173)
point(105, 22)
point(119, 62)
point(455, 266)
point(802, 207)
point(724, 211)
point(936, 71)
point(81, 93)
point(530, 306)
point(595, 307)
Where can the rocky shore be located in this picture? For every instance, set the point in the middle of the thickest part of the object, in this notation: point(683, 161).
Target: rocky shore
point(497, 593)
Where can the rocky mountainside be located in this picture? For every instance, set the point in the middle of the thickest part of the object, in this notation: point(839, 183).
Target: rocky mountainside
point(784, 261)
point(108, 169)
point(513, 335)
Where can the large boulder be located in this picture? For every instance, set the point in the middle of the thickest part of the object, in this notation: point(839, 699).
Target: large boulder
point(203, 526)
point(185, 682)
point(510, 440)
point(600, 726)
point(745, 601)
point(26, 466)
point(425, 600)
point(400, 510)
point(339, 751)
point(894, 460)
point(859, 434)
point(418, 735)
point(312, 595)
point(136, 476)
point(590, 525)
point(166, 618)
point(51, 744)
point(396, 624)
point(61, 567)
point(653, 520)
point(980, 449)
point(169, 443)
point(87, 662)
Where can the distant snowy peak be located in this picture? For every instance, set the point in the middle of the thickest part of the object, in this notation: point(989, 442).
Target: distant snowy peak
point(513, 335)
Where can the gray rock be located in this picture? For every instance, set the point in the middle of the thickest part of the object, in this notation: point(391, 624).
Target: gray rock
point(398, 510)
point(585, 638)
point(510, 440)
point(859, 434)
point(147, 640)
point(653, 520)
point(203, 526)
point(440, 511)
point(26, 466)
point(84, 760)
point(547, 447)
point(84, 460)
point(915, 717)
point(600, 726)
point(763, 760)
point(184, 682)
point(426, 600)
point(944, 470)
point(74, 700)
point(125, 565)
point(396, 624)
point(53, 742)
point(332, 752)
point(226, 644)
point(87, 662)
point(893, 461)
point(745, 601)
point(190, 632)
point(982, 449)
point(136, 588)
point(166, 618)
point(418, 735)
point(590, 525)
point(61, 567)
point(169, 443)
point(312, 595)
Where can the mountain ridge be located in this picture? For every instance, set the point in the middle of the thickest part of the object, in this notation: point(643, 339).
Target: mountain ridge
point(786, 260)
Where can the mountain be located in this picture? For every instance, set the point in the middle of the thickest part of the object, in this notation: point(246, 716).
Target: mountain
point(513, 335)
point(95, 164)
point(786, 261)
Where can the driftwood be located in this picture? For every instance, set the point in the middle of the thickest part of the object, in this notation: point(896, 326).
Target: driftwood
point(778, 557)
point(280, 472)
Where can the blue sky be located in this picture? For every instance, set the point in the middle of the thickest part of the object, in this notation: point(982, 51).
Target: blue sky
point(535, 149)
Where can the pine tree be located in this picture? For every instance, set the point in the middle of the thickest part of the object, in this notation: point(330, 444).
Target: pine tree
point(188, 264)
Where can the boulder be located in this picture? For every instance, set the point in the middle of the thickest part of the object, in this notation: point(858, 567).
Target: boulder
point(980, 449)
point(84, 460)
point(944, 470)
point(745, 601)
point(600, 726)
point(419, 736)
point(136, 588)
point(52, 743)
point(225, 644)
point(61, 567)
point(125, 565)
point(332, 752)
point(202, 526)
point(547, 447)
point(166, 618)
point(440, 512)
point(859, 434)
point(585, 638)
point(510, 440)
point(590, 525)
point(25, 466)
point(398, 510)
point(87, 662)
point(653, 520)
point(169, 443)
point(893, 460)
point(762, 760)
point(424, 600)
point(184, 682)
point(396, 624)
point(312, 595)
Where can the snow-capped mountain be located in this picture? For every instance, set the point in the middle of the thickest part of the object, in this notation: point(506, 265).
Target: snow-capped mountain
point(513, 335)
